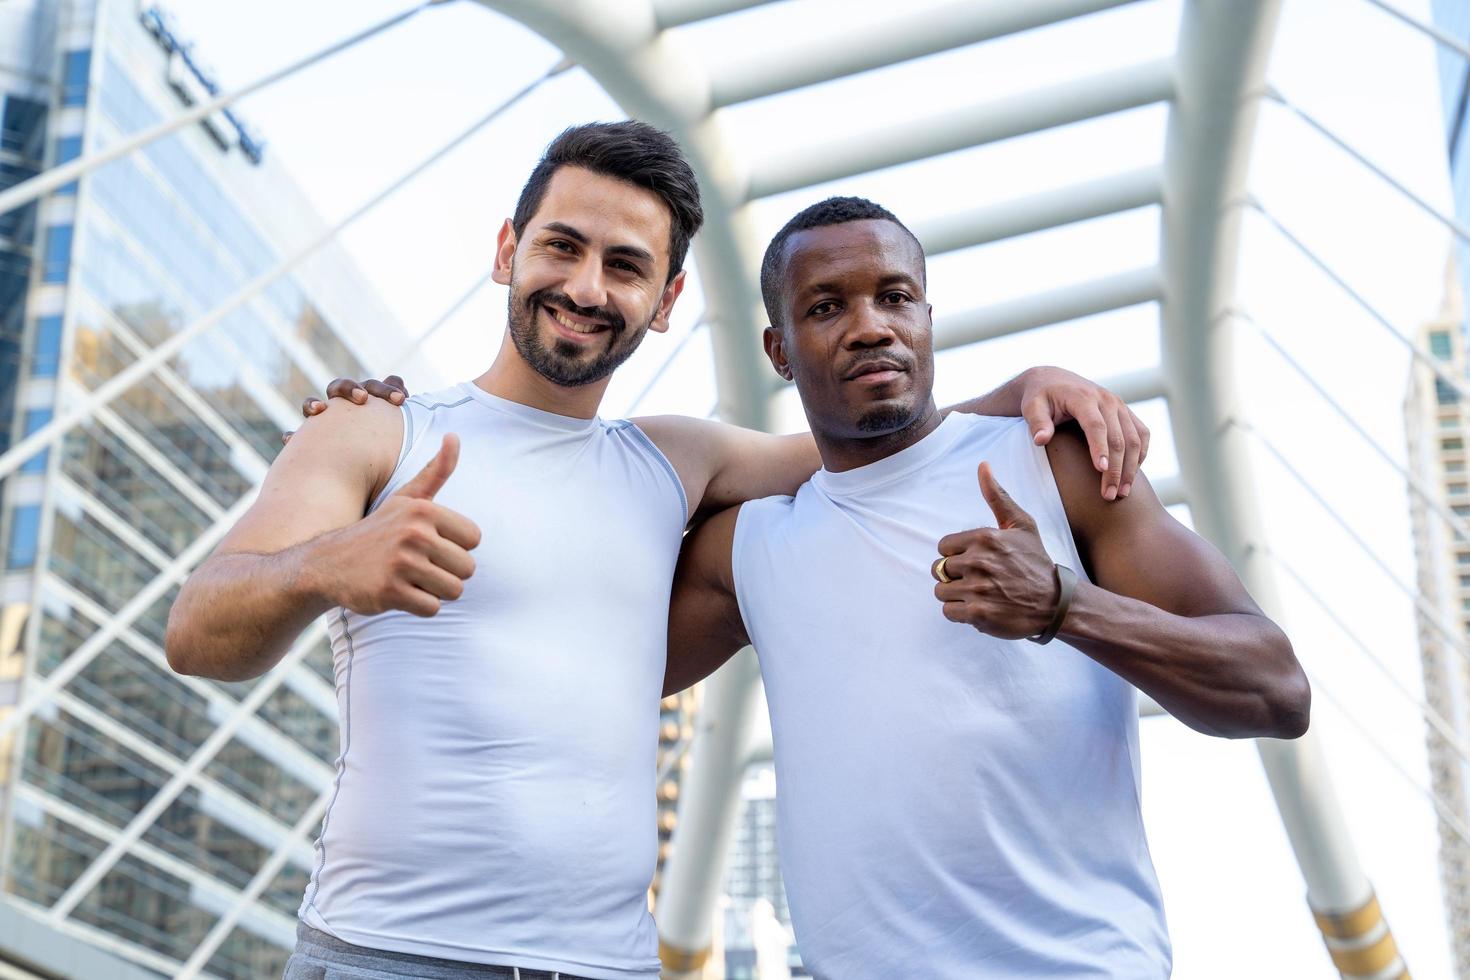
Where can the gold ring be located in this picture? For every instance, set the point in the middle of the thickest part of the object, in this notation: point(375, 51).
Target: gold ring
point(938, 570)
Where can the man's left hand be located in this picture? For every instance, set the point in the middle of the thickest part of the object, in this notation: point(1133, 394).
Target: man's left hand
point(1002, 581)
point(1116, 438)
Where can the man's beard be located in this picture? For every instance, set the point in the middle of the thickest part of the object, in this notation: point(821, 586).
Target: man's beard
point(563, 362)
point(887, 418)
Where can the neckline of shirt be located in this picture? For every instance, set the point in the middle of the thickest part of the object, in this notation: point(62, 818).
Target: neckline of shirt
point(900, 464)
point(562, 423)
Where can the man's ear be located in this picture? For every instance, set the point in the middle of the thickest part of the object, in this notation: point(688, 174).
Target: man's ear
point(660, 321)
point(505, 253)
point(776, 351)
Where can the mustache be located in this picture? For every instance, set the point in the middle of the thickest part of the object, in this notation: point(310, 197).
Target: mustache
point(552, 297)
point(904, 363)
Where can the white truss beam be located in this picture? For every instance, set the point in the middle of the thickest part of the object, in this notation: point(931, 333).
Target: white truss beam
point(677, 13)
point(1040, 212)
point(793, 168)
point(847, 49)
point(1139, 386)
point(1054, 306)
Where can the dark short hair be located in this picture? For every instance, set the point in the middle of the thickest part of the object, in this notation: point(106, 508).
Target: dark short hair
point(633, 151)
point(832, 211)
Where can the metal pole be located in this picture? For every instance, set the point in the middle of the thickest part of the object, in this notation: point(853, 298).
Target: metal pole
point(1223, 50)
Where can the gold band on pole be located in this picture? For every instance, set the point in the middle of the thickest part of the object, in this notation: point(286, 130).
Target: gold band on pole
point(1360, 943)
point(1351, 924)
point(681, 960)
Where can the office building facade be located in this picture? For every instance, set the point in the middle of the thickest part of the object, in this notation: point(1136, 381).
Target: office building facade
point(1436, 421)
point(129, 822)
point(757, 920)
point(1437, 426)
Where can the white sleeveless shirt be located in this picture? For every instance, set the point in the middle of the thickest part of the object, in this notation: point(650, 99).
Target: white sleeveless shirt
point(495, 792)
point(949, 805)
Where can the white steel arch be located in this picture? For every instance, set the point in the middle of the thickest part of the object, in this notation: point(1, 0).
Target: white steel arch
point(1222, 68)
point(1212, 84)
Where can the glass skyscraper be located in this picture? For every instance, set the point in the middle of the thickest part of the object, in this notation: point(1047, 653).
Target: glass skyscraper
point(91, 278)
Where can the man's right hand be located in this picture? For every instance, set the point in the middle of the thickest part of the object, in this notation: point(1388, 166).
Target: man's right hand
point(391, 389)
point(410, 554)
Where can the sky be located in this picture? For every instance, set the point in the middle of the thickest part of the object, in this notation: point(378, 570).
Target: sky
point(1233, 894)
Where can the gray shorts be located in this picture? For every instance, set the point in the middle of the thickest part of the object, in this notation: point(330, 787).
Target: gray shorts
point(319, 956)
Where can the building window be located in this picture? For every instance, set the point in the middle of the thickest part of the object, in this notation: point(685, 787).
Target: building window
point(68, 148)
point(74, 75)
point(1439, 344)
point(46, 355)
point(58, 254)
point(1454, 466)
point(1449, 421)
point(1458, 487)
point(1461, 510)
point(1449, 445)
point(1463, 558)
point(25, 532)
point(35, 418)
point(20, 125)
point(1445, 393)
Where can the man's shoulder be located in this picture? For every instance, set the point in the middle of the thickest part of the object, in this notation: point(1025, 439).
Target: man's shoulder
point(769, 520)
point(376, 419)
point(989, 427)
point(431, 401)
point(681, 436)
point(349, 438)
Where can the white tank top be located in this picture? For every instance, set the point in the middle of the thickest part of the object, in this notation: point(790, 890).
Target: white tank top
point(495, 790)
point(949, 805)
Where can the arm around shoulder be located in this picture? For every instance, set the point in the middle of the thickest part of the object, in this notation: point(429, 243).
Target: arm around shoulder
point(705, 626)
point(725, 465)
point(1170, 615)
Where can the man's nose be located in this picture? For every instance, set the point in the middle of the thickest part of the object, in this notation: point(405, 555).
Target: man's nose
point(586, 287)
point(868, 327)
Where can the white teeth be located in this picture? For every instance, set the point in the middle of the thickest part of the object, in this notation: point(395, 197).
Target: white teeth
point(574, 327)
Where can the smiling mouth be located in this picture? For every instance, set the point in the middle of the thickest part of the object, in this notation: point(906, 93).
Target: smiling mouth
point(572, 325)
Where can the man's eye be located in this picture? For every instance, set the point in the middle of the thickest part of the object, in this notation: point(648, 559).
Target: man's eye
point(559, 245)
point(623, 266)
point(822, 308)
point(895, 297)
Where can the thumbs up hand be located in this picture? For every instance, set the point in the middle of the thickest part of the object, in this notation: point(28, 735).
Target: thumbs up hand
point(410, 554)
point(1000, 580)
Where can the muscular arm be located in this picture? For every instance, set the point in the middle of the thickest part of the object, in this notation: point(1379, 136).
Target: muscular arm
point(724, 465)
point(304, 547)
point(241, 609)
point(705, 628)
point(1169, 614)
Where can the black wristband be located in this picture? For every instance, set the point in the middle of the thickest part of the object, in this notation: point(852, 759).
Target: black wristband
point(1067, 584)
